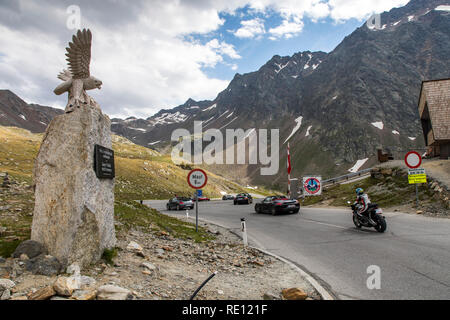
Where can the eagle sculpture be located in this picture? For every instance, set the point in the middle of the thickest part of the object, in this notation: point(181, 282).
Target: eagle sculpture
point(78, 79)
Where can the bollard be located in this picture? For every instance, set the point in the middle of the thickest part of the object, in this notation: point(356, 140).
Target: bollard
point(244, 232)
point(187, 213)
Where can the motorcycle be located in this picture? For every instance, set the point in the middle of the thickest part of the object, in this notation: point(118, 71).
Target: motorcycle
point(372, 218)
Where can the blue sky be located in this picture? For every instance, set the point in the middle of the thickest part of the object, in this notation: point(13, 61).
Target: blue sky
point(323, 35)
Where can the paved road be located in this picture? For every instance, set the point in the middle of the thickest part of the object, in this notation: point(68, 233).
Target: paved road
point(413, 254)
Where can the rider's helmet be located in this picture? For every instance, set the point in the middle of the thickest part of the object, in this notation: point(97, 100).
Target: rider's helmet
point(359, 191)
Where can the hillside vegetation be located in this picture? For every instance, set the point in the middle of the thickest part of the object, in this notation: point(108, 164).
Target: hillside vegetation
point(141, 173)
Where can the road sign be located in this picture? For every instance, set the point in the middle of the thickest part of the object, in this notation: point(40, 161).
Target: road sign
point(417, 176)
point(413, 159)
point(312, 186)
point(197, 178)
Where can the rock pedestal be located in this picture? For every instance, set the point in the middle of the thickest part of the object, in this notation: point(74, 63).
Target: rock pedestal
point(74, 210)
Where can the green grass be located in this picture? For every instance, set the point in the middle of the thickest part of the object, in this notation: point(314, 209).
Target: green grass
point(109, 255)
point(387, 192)
point(133, 215)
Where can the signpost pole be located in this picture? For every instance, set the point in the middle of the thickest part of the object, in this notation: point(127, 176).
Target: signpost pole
point(417, 195)
point(196, 212)
point(197, 179)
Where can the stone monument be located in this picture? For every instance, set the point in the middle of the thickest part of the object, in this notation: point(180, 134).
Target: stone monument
point(74, 206)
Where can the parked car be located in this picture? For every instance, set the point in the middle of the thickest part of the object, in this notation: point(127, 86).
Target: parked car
point(228, 197)
point(243, 198)
point(203, 199)
point(180, 203)
point(277, 204)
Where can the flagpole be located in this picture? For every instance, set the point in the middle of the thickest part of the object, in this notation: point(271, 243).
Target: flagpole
point(289, 172)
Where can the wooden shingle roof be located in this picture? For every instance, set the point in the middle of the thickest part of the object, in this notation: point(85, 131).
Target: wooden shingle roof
point(436, 95)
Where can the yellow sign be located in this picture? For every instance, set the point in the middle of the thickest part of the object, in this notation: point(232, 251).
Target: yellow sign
point(417, 176)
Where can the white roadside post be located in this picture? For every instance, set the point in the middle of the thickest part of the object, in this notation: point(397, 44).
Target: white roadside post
point(187, 213)
point(244, 232)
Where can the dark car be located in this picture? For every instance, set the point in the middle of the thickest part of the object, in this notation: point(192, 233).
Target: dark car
point(180, 203)
point(228, 197)
point(277, 204)
point(243, 198)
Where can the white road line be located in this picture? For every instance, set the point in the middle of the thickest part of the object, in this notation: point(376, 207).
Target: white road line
point(325, 224)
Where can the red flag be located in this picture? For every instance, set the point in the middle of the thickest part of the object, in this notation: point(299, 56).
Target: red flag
point(288, 160)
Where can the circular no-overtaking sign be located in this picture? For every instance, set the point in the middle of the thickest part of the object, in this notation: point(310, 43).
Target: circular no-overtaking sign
point(197, 178)
point(312, 185)
point(413, 159)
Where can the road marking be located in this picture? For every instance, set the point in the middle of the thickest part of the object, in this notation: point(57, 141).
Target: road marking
point(325, 224)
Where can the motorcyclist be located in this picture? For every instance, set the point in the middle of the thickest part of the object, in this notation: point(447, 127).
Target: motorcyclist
point(362, 201)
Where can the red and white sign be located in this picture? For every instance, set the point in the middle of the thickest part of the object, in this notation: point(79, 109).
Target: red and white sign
point(413, 159)
point(197, 178)
point(312, 186)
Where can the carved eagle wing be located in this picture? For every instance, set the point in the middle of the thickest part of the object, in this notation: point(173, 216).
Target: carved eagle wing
point(79, 54)
point(65, 75)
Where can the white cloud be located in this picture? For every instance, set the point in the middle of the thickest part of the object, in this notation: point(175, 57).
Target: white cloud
point(250, 28)
point(360, 9)
point(143, 50)
point(288, 29)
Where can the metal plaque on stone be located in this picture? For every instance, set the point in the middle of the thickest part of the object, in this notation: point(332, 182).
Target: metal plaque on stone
point(104, 162)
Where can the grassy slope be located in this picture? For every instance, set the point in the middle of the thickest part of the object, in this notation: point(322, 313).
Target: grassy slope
point(141, 173)
point(389, 191)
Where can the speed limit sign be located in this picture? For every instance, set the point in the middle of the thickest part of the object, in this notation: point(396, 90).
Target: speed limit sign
point(197, 179)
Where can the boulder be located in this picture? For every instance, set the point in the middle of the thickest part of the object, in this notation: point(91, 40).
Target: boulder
point(148, 266)
point(30, 248)
point(110, 292)
point(64, 286)
point(134, 247)
point(5, 288)
point(43, 265)
point(73, 269)
point(42, 294)
point(294, 294)
point(74, 210)
point(89, 294)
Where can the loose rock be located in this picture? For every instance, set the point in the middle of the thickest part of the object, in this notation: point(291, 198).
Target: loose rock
point(43, 265)
point(31, 248)
point(42, 294)
point(294, 294)
point(110, 292)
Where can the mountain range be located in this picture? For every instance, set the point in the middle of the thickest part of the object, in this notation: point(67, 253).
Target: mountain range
point(335, 109)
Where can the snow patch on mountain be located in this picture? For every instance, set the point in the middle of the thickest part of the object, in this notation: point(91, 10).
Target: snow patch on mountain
point(442, 8)
point(358, 165)
point(228, 123)
point(167, 118)
point(153, 143)
point(395, 132)
point(299, 124)
point(378, 125)
point(138, 129)
point(307, 131)
point(22, 116)
point(210, 108)
point(230, 115)
point(281, 67)
point(411, 138)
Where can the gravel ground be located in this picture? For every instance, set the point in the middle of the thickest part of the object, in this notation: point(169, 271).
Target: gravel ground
point(178, 267)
